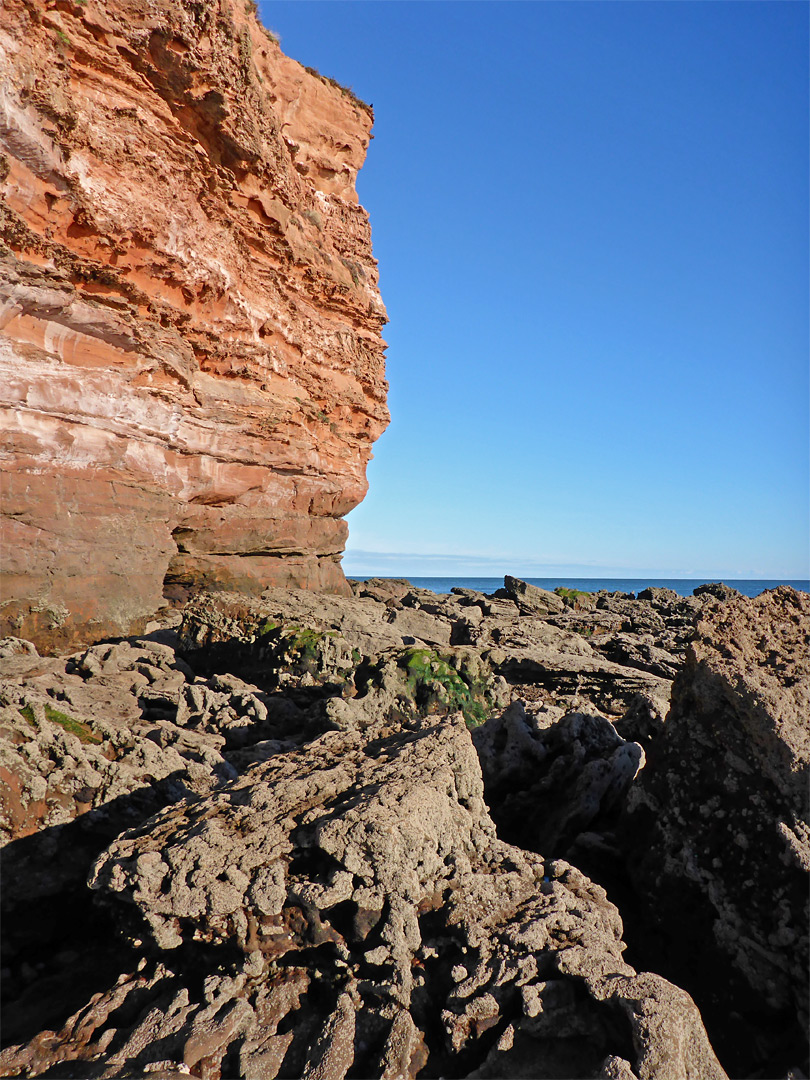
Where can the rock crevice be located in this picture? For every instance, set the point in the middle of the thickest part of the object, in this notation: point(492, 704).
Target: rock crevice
point(318, 845)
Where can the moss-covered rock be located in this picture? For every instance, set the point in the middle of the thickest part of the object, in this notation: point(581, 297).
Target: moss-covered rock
point(578, 599)
point(424, 681)
point(268, 650)
point(278, 652)
point(301, 656)
point(81, 730)
point(444, 682)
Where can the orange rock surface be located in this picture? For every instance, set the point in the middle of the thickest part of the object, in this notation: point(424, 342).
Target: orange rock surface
point(191, 361)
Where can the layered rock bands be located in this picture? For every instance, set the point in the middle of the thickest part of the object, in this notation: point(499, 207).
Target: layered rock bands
point(191, 366)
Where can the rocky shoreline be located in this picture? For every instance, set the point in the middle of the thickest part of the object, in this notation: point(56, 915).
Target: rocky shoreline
point(401, 833)
point(278, 833)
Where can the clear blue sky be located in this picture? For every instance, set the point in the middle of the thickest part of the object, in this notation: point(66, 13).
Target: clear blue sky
point(592, 226)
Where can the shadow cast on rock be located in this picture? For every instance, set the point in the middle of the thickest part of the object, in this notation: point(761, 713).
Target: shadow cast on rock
point(60, 944)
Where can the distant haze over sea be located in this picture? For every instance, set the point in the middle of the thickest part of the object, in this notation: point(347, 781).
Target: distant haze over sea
point(682, 586)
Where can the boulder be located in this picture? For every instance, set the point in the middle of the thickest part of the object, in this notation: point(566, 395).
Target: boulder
point(382, 589)
point(717, 589)
point(347, 909)
point(530, 599)
point(658, 597)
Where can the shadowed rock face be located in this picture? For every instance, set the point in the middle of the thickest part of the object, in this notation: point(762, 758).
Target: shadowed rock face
point(303, 863)
point(191, 367)
point(306, 875)
point(717, 829)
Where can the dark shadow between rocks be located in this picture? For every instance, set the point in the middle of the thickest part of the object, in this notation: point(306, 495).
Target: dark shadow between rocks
point(751, 1041)
point(57, 952)
point(59, 945)
point(672, 938)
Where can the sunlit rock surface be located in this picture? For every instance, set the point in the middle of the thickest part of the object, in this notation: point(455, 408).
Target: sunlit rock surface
point(191, 366)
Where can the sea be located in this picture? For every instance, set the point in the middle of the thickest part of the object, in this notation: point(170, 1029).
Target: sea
point(682, 586)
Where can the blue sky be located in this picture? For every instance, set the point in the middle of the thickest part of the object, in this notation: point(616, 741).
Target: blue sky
point(592, 226)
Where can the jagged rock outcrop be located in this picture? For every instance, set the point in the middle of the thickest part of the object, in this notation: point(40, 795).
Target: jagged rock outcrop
point(718, 830)
point(91, 745)
point(310, 751)
point(191, 367)
point(346, 909)
point(544, 658)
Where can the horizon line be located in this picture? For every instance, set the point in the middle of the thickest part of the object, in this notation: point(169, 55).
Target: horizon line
point(359, 562)
point(722, 579)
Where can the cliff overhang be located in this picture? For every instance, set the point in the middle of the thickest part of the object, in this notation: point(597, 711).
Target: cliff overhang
point(191, 360)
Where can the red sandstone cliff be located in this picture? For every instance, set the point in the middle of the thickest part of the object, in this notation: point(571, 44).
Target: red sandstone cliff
point(191, 366)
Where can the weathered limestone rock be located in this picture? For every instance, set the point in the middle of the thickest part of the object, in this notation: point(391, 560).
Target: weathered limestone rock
point(327, 647)
point(191, 367)
point(90, 745)
point(382, 589)
point(346, 909)
point(718, 834)
point(304, 751)
point(717, 589)
point(534, 655)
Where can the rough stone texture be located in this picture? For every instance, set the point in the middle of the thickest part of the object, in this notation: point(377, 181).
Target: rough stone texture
point(548, 779)
point(383, 589)
point(326, 649)
point(717, 589)
point(143, 727)
point(557, 656)
point(718, 836)
point(534, 655)
point(346, 909)
point(191, 367)
point(530, 599)
point(338, 724)
point(90, 745)
point(364, 623)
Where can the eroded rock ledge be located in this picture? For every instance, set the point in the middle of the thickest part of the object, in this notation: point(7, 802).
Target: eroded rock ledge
point(191, 366)
point(333, 837)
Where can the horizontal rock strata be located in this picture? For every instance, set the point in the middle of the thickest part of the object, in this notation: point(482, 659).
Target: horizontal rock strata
point(191, 367)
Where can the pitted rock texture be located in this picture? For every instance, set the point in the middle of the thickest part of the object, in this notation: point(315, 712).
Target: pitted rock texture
point(554, 658)
point(191, 366)
point(336, 694)
point(345, 909)
point(92, 744)
point(718, 833)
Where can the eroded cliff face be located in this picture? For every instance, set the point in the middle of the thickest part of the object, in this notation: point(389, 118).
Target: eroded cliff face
point(191, 362)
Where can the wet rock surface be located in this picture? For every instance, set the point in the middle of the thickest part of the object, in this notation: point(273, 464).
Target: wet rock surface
point(386, 834)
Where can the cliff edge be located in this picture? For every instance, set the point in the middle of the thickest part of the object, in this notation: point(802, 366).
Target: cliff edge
point(191, 361)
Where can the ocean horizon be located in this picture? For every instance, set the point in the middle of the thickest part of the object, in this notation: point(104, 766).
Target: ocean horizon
point(682, 586)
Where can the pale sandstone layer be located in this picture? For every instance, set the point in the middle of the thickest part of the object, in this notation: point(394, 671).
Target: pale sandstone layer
point(191, 366)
